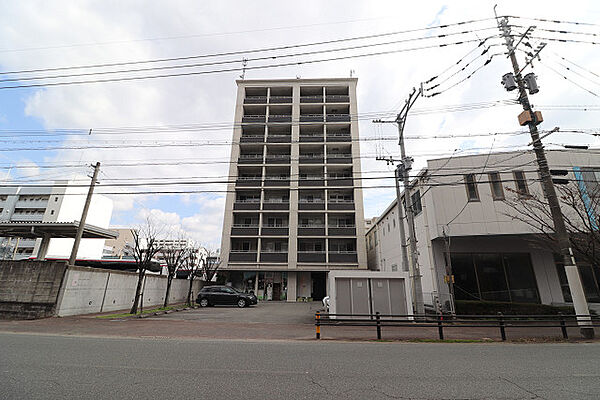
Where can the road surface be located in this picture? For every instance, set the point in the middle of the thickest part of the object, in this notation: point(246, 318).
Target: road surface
point(35, 366)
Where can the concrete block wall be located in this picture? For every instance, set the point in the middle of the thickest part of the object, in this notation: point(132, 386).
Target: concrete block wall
point(29, 289)
point(93, 290)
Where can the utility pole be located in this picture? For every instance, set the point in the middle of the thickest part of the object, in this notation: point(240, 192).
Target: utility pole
point(404, 167)
point(532, 119)
point(86, 207)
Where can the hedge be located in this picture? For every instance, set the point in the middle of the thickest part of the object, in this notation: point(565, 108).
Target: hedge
point(470, 307)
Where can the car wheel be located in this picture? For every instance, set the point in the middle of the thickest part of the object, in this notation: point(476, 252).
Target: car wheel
point(204, 303)
point(241, 303)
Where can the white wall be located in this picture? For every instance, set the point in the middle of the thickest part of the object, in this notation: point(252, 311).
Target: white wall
point(70, 210)
point(93, 290)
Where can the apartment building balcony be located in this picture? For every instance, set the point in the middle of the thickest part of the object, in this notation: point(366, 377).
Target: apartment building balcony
point(248, 180)
point(252, 138)
point(253, 119)
point(340, 180)
point(336, 137)
point(311, 229)
point(311, 99)
point(341, 230)
point(280, 99)
point(250, 159)
point(271, 138)
point(253, 204)
point(312, 118)
point(280, 118)
point(277, 180)
point(311, 180)
point(315, 204)
point(27, 217)
point(276, 204)
point(29, 203)
point(339, 158)
point(337, 98)
point(312, 256)
point(244, 229)
point(343, 257)
point(311, 158)
point(255, 100)
point(338, 118)
point(340, 204)
point(273, 256)
point(275, 230)
point(311, 137)
point(278, 159)
point(243, 255)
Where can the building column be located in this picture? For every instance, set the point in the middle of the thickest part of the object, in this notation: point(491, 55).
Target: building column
point(256, 284)
point(41, 254)
point(291, 286)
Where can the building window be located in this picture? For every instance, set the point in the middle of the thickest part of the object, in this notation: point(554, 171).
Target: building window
point(416, 203)
point(56, 199)
point(494, 277)
point(394, 223)
point(394, 267)
point(471, 184)
point(51, 212)
point(521, 183)
point(496, 185)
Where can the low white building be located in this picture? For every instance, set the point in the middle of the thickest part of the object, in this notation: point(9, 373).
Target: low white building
point(61, 202)
point(460, 209)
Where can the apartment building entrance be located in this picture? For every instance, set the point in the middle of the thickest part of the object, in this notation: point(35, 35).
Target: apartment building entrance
point(319, 285)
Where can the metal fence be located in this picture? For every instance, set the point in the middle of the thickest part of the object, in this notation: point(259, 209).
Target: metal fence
point(442, 322)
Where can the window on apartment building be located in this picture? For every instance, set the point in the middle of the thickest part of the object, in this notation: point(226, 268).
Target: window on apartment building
point(394, 267)
point(51, 212)
point(590, 280)
point(56, 199)
point(416, 203)
point(494, 277)
point(394, 223)
point(496, 185)
point(521, 183)
point(471, 184)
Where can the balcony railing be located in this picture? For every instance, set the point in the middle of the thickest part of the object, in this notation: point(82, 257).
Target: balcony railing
point(340, 204)
point(247, 204)
point(243, 255)
point(280, 118)
point(252, 138)
point(311, 137)
point(317, 204)
point(273, 256)
point(275, 230)
point(255, 100)
point(278, 158)
point(339, 180)
point(337, 98)
point(311, 256)
point(311, 99)
point(254, 118)
point(311, 180)
point(279, 138)
point(343, 256)
point(244, 229)
point(311, 158)
point(338, 117)
point(250, 159)
point(276, 204)
point(339, 158)
point(250, 180)
point(311, 229)
point(311, 118)
point(339, 137)
point(277, 180)
point(280, 99)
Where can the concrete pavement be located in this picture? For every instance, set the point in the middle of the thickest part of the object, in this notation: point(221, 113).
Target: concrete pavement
point(52, 367)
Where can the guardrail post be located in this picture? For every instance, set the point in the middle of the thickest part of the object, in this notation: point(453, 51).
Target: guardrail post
point(378, 320)
point(563, 326)
point(502, 329)
point(318, 324)
point(440, 319)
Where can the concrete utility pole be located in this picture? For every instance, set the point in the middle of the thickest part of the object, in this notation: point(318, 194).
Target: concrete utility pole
point(532, 119)
point(404, 168)
point(86, 207)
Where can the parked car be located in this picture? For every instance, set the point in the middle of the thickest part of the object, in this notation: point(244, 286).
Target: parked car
point(224, 295)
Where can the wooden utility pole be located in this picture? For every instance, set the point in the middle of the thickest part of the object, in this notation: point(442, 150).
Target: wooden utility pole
point(86, 207)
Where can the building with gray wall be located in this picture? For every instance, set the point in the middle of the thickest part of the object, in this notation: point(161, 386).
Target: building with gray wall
point(461, 210)
point(294, 209)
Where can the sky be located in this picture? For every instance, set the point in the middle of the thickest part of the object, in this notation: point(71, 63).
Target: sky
point(54, 34)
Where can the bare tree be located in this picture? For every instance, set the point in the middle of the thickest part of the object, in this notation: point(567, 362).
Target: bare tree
point(580, 205)
point(192, 262)
point(175, 256)
point(145, 247)
point(210, 265)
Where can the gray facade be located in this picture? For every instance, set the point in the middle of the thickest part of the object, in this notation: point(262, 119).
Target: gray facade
point(493, 256)
point(294, 209)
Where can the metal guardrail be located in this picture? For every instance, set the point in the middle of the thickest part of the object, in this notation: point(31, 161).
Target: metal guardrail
point(499, 321)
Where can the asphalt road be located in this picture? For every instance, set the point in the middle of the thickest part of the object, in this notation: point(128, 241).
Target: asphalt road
point(57, 367)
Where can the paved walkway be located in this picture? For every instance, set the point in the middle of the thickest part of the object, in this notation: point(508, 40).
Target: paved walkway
point(266, 321)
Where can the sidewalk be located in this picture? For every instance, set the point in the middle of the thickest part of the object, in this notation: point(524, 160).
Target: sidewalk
point(226, 323)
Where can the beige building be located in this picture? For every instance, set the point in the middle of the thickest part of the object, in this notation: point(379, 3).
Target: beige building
point(122, 246)
point(294, 211)
point(460, 210)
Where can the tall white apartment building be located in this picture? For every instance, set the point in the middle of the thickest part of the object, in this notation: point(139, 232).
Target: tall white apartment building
point(61, 202)
point(294, 208)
